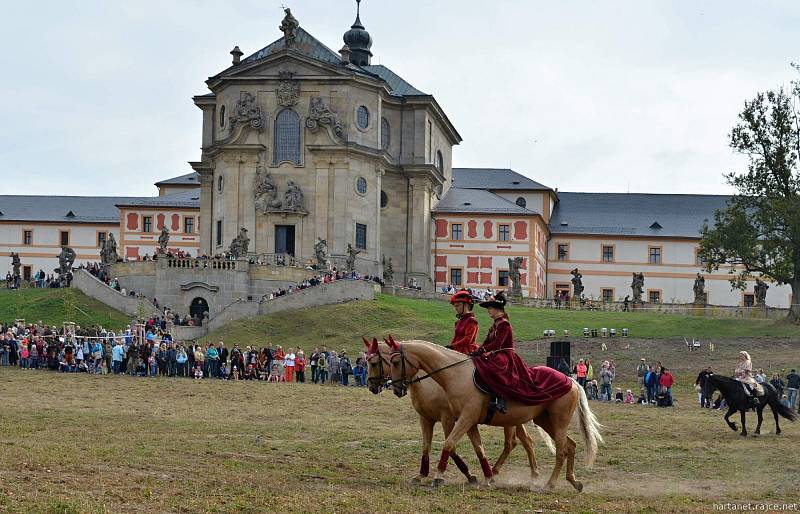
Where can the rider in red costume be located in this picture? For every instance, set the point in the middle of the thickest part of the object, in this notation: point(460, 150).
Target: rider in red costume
point(467, 326)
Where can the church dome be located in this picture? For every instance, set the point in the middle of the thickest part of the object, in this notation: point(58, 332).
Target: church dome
point(359, 41)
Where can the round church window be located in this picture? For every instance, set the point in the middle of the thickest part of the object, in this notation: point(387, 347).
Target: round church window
point(219, 184)
point(361, 185)
point(362, 117)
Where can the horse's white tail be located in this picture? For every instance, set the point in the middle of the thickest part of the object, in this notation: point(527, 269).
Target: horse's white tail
point(544, 436)
point(590, 428)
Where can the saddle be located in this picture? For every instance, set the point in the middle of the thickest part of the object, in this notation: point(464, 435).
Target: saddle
point(495, 402)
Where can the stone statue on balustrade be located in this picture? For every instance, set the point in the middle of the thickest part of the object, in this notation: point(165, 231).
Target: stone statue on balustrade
point(514, 265)
point(240, 244)
point(699, 289)
point(577, 283)
point(163, 240)
point(65, 261)
point(350, 263)
point(760, 290)
point(15, 264)
point(388, 270)
point(637, 287)
point(320, 251)
point(108, 253)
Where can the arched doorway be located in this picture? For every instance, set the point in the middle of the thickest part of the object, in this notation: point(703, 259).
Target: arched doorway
point(198, 307)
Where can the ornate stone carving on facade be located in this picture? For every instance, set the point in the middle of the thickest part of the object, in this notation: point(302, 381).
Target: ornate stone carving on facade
point(320, 114)
point(577, 283)
point(163, 240)
point(247, 111)
point(637, 287)
point(240, 244)
point(288, 91)
point(289, 27)
point(699, 289)
point(514, 265)
point(265, 191)
point(760, 290)
point(293, 198)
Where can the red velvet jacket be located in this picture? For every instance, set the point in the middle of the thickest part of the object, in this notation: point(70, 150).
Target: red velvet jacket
point(466, 334)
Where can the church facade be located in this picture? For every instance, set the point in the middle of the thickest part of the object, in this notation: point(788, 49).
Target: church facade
point(307, 148)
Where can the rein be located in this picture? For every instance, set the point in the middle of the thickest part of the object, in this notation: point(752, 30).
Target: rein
point(408, 382)
point(384, 381)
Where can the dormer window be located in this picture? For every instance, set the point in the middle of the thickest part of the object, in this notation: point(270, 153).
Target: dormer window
point(656, 226)
point(70, 214)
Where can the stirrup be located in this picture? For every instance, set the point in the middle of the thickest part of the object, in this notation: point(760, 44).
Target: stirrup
point(500, 405)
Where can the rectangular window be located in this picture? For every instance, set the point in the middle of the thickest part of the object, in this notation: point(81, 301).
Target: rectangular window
point(188, 225)
point(219, 232)
point(455, 276)
point(147, 223)
point(655, 255)
point(502, 278)
point(563, 252)
point(101, 239)
point(361, 236)
point(608, 253)
point(26, 273)
point(749, 299)
point(608, 295)
point(27, 237)
point(64, 238)
point(504, 232)
point(456, 232)
point(654, 296)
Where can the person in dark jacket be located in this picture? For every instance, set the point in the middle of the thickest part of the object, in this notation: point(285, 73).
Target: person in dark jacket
point(651, 381)
point(792, 386)
point(223, 354)
point(701, 383)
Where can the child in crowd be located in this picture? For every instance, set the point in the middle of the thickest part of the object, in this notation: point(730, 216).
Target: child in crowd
point(629, 396)
point(249, 372)
point(235, 373)
point(642, 400)
point(618, 396)
point(223, 371)
point(275, 374)
point(198, 372)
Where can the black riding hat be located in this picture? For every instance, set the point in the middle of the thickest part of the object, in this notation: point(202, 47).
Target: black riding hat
point(498, 301)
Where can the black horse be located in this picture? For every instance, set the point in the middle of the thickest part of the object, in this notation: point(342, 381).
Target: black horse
point(738, 400)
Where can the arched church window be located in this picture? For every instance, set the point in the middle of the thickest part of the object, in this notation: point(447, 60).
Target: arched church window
point(287, 137)
point(439, 160)
point(522, 202)
point(384, 134)
point(362, 117)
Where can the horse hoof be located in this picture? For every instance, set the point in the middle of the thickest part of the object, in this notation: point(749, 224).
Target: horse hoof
point(489, 483)
point(437, 482)
point(534, 474)
point(733, 427)
point(778, 432)
point(472, 480)
point(495, 471)
point(549, 486)
point(578, 486)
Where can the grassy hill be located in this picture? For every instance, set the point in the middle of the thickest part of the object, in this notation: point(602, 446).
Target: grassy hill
point(55, 306)
point(340, 326)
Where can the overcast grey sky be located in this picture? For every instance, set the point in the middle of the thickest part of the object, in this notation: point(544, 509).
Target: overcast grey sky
point(588, 95)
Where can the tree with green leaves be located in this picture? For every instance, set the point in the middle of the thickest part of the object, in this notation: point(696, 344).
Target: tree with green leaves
point(758, 231)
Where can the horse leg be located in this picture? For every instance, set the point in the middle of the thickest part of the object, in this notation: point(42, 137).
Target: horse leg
point(744, 427)
point(760, 414)
point(775, 413)
point(509, 442)
point(447, 426)
point(464, 423)
point(527, 442)
point(571, 465)
point(475, 437)
point(425, 463)
point(559, 437)
point(730, 423)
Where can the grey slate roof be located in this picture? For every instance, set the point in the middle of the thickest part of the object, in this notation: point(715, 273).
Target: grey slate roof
point(494, 178)
point(632, 214)
point(87, 209)
point(192, 178)
point(190, 198)
point(397, 85)
point(304, 43)
point(478, 201)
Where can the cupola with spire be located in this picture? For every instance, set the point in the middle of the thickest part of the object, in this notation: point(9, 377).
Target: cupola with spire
point(358, 40)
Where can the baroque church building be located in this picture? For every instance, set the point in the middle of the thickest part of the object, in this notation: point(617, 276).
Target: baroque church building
point(304, 146)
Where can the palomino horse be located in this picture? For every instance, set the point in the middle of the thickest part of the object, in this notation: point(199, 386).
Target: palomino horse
point(430, 402)
point(454, 374)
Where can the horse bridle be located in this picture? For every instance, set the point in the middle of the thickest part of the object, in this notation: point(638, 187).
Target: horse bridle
point(384, 382)
point(405, 382)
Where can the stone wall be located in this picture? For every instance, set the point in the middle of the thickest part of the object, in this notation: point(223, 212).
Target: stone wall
point(180, 333)
point(416, 294)
point(90, 286)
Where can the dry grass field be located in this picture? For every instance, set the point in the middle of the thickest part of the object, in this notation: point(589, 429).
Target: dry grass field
point(77, 443)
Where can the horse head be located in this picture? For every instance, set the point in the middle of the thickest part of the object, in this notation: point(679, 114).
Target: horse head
point(376, 372)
